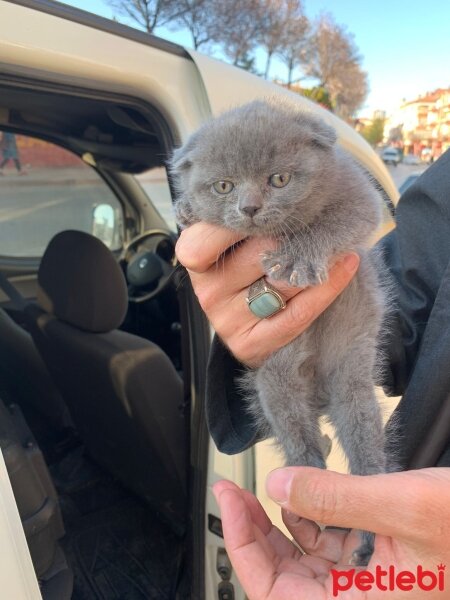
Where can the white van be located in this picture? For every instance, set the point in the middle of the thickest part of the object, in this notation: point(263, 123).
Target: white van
point(391, 156)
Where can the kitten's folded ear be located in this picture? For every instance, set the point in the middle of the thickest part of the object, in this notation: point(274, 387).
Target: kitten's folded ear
point(321, 134)
point(181, 159)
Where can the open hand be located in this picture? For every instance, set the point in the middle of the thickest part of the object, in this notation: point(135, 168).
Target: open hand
point(410, 512)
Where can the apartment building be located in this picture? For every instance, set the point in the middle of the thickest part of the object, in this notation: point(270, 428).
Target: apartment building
point(424, 124)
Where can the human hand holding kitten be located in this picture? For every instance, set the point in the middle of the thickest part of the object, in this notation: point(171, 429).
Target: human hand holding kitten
point(221, 280)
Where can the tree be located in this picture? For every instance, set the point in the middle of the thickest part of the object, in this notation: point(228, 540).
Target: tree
point(247, 62)
point(332, 58)
point(238, 28)
point(293, 44)
point(350, 91)
point(319, 95)
point(374, 133)
point(147, 14)
point(199, 18)
point(278, 17)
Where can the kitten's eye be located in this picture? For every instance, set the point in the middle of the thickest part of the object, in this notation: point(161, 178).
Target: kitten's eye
point(279, 180)
point(223, 187)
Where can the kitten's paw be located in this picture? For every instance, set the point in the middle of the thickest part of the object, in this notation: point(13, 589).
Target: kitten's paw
point(308, 274)
point(277, 266)
point(362, 555)
point(298, 274)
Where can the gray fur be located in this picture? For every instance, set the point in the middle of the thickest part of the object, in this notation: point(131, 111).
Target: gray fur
point(328, 208)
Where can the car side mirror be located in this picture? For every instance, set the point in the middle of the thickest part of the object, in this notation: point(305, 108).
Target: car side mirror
point(104, 226)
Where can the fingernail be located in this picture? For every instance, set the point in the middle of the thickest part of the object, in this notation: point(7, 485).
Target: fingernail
point(351, 262)
point(278, 485)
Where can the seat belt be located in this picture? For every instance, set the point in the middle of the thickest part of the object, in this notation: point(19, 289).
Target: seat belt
point(18, 301)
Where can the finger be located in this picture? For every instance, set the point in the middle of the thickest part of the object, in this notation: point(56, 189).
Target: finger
point(235, 270)
point(257, 512)
point(250, 554)
point(231, 278)
point(261, 518)
point(327, 544)
point(283, 547)
point(268, 335)
point(304, 308)
point(394, 504)
point(231, 317)
point(224, 484)
point(200, 245)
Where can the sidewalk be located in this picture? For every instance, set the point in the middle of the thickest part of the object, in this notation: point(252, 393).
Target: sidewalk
point(48, 177)
point(82, 175)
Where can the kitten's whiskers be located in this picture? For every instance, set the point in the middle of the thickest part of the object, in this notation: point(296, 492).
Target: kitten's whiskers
point(302, 223)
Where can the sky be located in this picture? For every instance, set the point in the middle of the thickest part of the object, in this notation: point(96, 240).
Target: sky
point(405, 44)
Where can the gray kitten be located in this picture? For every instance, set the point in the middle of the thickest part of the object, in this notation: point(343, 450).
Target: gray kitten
point(266, 169)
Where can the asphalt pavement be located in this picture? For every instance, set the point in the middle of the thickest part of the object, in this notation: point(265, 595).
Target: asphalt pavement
point(402, 171)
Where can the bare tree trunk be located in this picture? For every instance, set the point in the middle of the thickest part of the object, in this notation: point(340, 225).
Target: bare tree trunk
point(266, 72)
point(290, 71)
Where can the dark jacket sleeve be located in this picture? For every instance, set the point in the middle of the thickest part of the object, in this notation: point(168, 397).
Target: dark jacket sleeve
point(230, 425)
point(418, 348)
point(417, 255)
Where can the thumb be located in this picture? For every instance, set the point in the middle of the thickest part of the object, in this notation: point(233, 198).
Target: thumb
point(395, 504)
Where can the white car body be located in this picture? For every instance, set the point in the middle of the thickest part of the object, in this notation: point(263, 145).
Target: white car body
point(43, 41)
point(391, 155)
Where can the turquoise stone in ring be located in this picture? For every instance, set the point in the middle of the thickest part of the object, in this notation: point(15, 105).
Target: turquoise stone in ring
point(263, 300)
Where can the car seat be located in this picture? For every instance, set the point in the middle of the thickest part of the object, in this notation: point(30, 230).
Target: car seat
point(24, 378)
point(122, 391)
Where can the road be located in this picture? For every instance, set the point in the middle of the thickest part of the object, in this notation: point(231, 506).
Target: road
point(401, 172)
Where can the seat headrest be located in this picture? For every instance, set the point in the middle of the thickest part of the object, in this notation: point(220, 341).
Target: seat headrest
point(80, 282)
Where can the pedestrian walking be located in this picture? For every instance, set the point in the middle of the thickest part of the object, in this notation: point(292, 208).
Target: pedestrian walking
point(9, 149)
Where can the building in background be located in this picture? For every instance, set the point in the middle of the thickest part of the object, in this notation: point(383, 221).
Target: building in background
point(422, 126)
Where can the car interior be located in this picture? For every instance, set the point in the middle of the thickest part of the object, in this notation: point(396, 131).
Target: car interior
point(96, 369)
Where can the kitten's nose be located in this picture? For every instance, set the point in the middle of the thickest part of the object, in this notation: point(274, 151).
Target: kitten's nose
point(250, 210)
point(250, 206)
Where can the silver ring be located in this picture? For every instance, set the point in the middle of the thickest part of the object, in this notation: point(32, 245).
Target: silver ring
point(263, 300)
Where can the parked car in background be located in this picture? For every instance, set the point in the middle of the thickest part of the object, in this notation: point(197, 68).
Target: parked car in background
point(391, 156)
point(115, 450)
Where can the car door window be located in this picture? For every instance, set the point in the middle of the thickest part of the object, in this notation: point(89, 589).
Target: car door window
point(45, 189)
point(156, 186)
